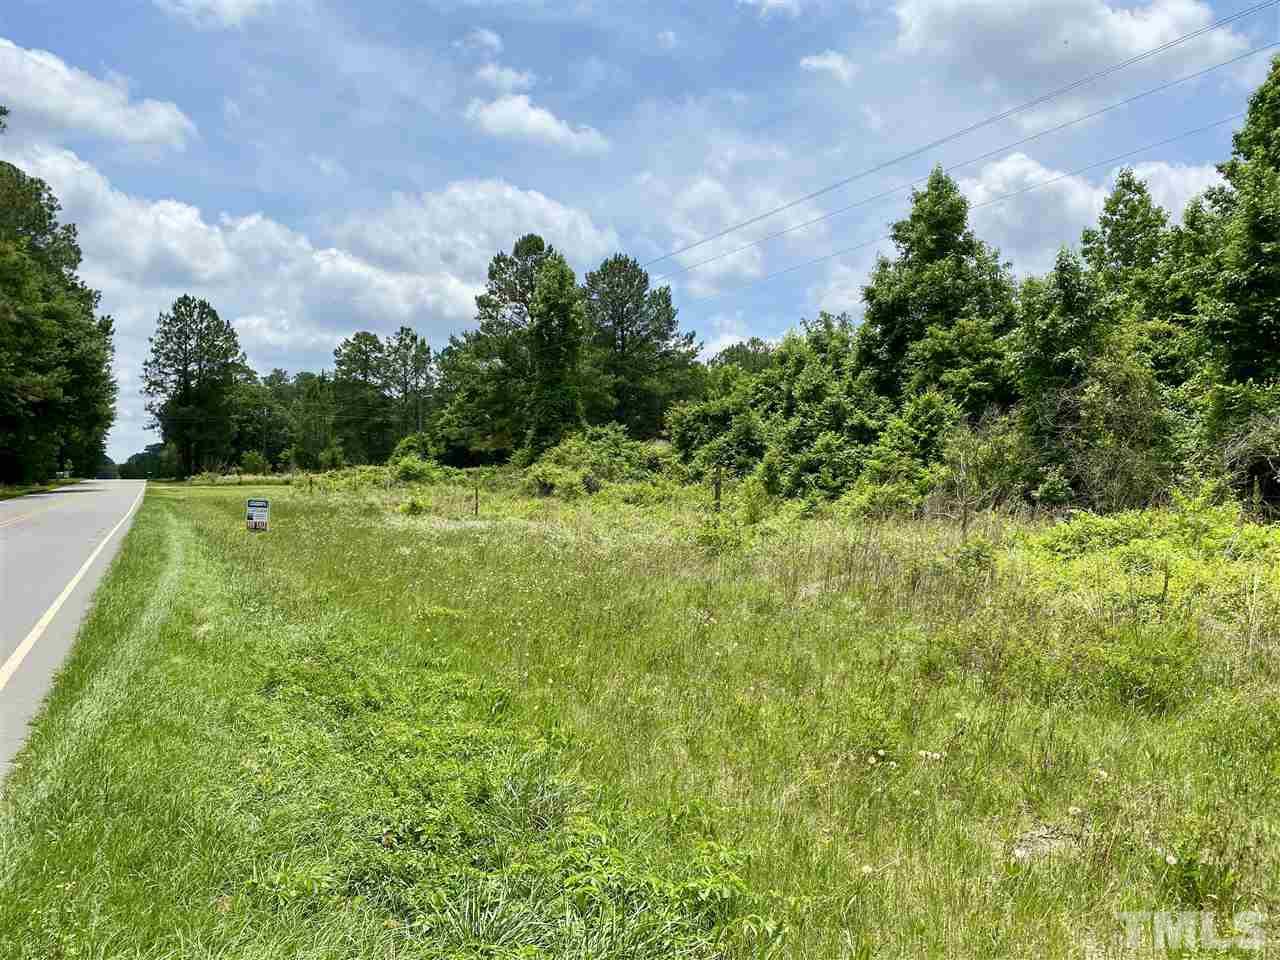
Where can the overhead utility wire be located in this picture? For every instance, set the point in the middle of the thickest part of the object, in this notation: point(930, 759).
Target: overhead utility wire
point(1004, 115)
point(964, 163)
point(977, 206)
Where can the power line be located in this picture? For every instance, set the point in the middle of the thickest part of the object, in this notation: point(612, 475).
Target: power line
point(977, 206)
point(996, 118)
point(964, 163)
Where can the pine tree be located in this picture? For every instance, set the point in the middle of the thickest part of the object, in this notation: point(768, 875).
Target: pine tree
point(188, 380)
point(555, 328)
point(942, 274)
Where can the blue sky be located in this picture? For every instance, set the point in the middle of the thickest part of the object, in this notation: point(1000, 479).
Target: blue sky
point(315, 168)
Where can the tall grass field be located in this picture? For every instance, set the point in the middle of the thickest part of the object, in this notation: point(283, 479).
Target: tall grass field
point(443, 721)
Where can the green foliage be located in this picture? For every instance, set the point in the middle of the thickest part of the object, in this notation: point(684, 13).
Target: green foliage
point(331, 458)
point(413, 445)
point(57, 394)
point(608, 455)
point(942, 275)
point(644, 361)
point(254, 462)
point(1238, 311)
point(546, 480)
point(555, 337)
point(188, 379)
point(413, 469)
point(1144, 358)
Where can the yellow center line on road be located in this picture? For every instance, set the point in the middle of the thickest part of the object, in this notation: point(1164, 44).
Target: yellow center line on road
point(10, 666)
point(23, 516)
point(29, 514)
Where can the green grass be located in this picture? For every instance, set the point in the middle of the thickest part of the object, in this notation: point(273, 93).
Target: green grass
point(601, 729)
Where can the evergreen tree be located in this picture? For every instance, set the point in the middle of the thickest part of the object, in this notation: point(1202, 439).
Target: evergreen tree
point(410, 377)
point(555, 328)
point(942, 274)
point(364, 428)
point(189, 379)
point(57, 393)
point(486, 374)
point(1241, 316)
point(643, 357)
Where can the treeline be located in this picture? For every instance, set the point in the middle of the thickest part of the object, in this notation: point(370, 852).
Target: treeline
point(57, 393)
point(1147, 358)
point(1149, 354)
point(547, 356)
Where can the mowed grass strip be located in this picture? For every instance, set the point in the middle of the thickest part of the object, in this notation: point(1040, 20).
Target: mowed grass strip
point(252, 754)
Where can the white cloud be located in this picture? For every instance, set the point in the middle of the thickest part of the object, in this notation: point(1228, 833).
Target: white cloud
point(667, 39)
point(465, 223)
point(505, 79)
point(215, 13)
point(840, 290)
point(1172, 185)
point(726, 330)
point(1031, 227)
point(55, 99)
point(420, 261)
point(831, 62)
point(1018, 48)
point(515, 116)
point(481, 40)
point(1028, 229)
point(768, 7)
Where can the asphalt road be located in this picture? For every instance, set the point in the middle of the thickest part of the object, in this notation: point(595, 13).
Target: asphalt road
point(46, 541)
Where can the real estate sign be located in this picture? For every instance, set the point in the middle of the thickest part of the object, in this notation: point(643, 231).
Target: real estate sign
point(257, 513)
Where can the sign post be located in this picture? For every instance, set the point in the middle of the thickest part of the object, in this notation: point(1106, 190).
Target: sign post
point(257, 513)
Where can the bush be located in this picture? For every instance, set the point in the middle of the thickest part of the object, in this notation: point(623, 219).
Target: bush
point(871, 500)
point(413, 469)
point(414, 507)
point(332, 458)
point(414, 445)
point(547, 480)
point(254, 463)
point(608, 455)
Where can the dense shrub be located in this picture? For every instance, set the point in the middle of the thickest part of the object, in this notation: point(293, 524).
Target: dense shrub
point(411, 468)
point(587, 462)
point(255, 463)
point(414, 445)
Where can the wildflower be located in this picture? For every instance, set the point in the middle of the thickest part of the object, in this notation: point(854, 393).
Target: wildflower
point(893, 764)
point(872, 760)
point(1171, 860)
point(866, 870)
point(1074, 811)
point(879, 753)
point(915, 793)
point(1101, 774)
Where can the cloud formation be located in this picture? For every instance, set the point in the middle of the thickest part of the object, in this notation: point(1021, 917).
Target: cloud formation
point(833, 63)
point(215, 13)
point(1030, 228)
point(770, 7)
point(504, 79)
point(481, 40)
point(516, 117)
point(57, 100)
